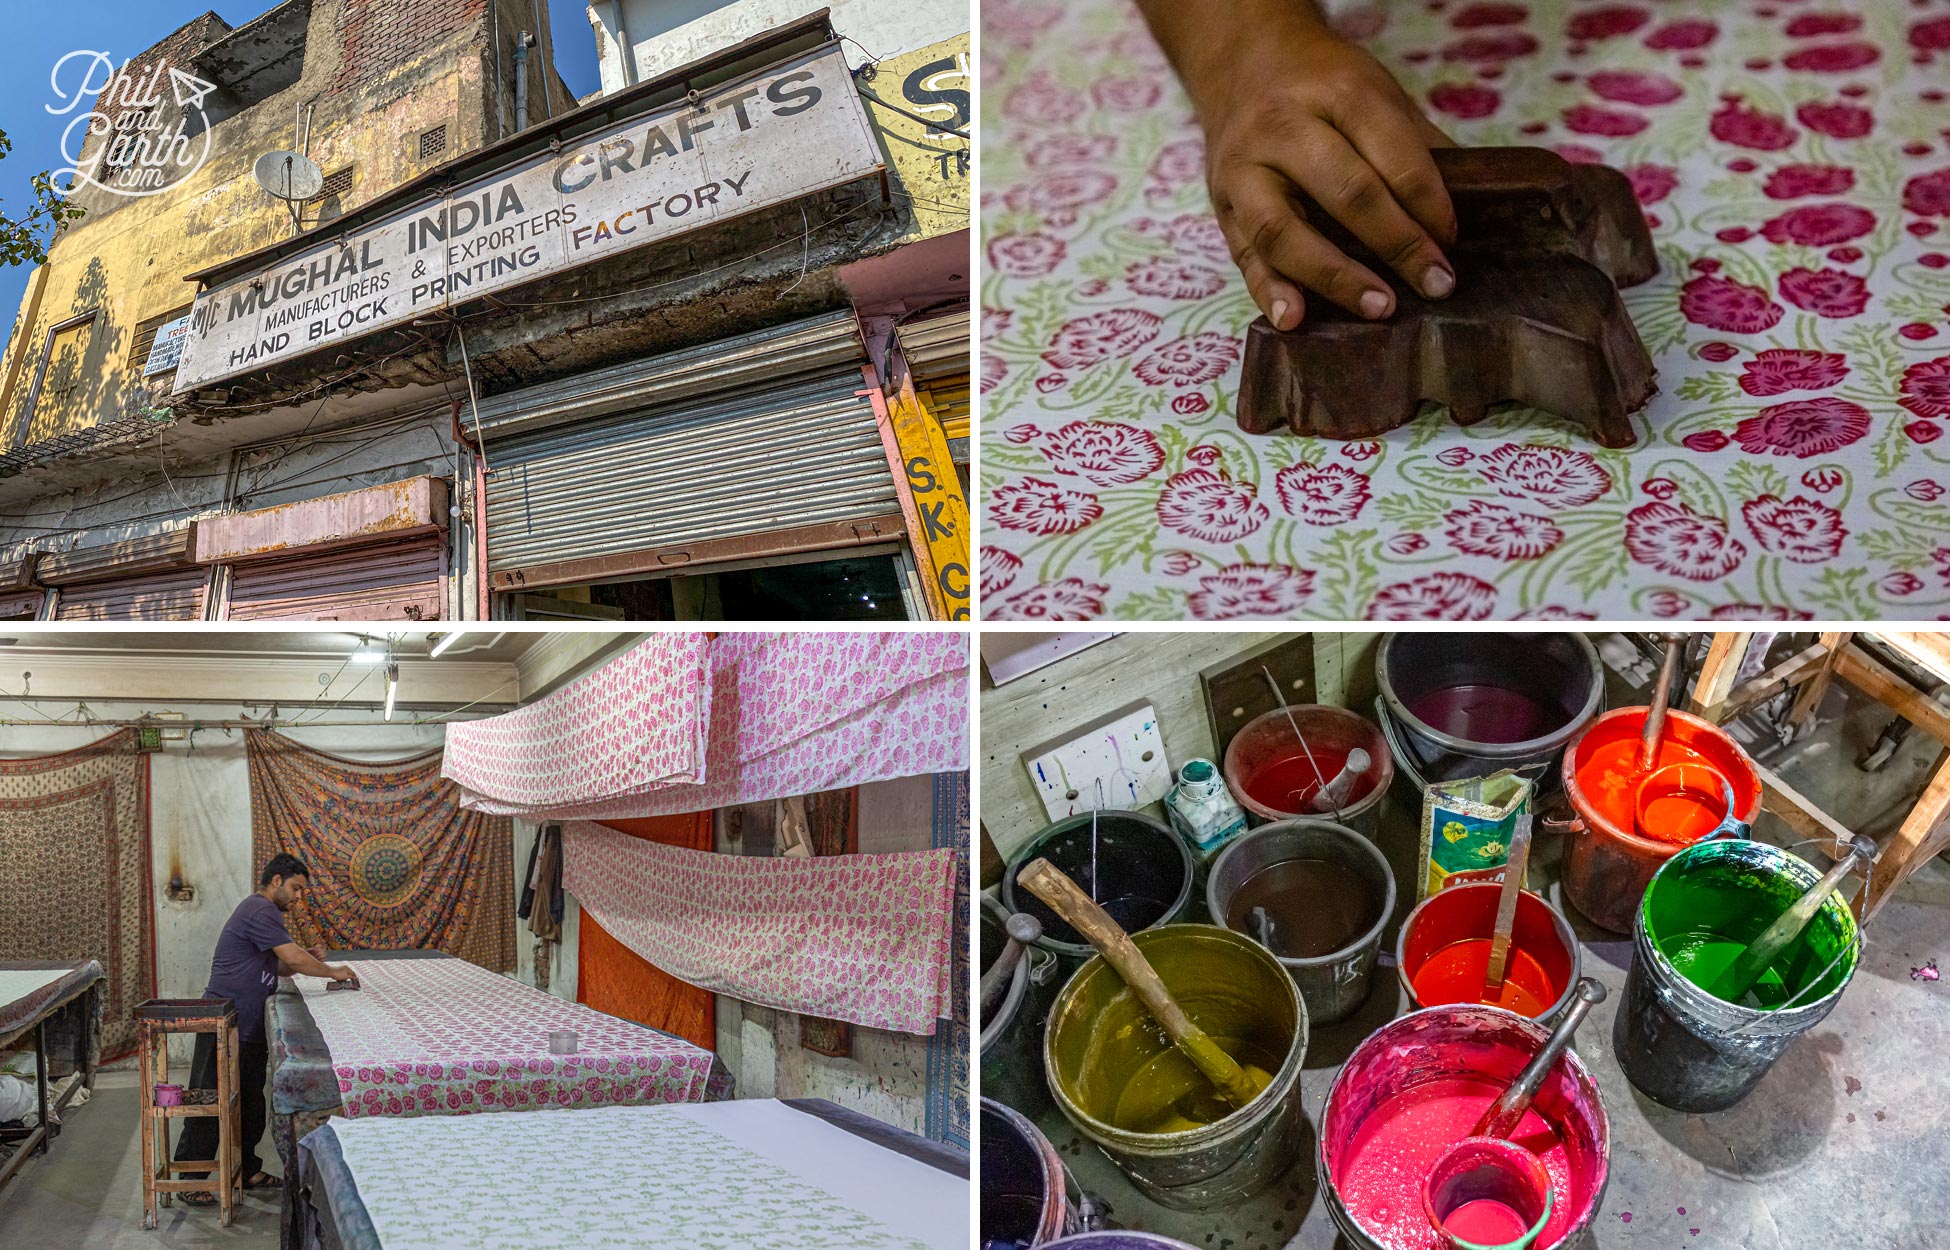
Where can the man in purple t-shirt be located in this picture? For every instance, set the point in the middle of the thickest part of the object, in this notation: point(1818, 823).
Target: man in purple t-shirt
point(253, 951)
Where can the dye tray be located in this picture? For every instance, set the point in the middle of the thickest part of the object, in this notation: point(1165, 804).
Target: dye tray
point(1542, 248)
point(185, 1009)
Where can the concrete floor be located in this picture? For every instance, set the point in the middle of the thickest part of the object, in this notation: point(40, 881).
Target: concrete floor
point(1842, 1145)
point(86, 1194)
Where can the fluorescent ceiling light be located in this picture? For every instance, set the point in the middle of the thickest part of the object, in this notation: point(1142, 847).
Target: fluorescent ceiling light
point(392, 687)
point(443, 641)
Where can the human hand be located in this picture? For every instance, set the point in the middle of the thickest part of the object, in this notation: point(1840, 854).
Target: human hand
point(343, 973)
point(316, 952)
point(1289, 107)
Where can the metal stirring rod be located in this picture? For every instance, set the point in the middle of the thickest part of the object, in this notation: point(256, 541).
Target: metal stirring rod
point(1280, 695)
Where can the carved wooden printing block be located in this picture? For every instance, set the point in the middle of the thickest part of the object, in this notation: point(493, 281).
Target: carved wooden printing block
point(1542, 246)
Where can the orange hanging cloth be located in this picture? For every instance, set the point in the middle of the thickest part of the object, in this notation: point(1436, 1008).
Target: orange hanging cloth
point(613, 978)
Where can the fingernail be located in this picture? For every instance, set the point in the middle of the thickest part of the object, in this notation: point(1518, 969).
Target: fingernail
point(1374, 305)
point(1437, 282)
point(1279, 314)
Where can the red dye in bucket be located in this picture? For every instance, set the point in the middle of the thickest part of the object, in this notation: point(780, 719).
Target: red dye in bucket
point(1288, 784)
point(1486, 1222)
point(1391, 1155)
point(1455, 974)
point(1485, 714)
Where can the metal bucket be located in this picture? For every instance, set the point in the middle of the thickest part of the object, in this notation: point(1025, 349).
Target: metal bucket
point(1467, 912)
point(1025, 1191)
point(1100, 1037)
point(1335, 984)
point(1467, 705)
point(1330, 733)
point(1690, 1050)
point(1012, 1035)
point(1140, 872)
point(1485, 1045)
point(1606, 863)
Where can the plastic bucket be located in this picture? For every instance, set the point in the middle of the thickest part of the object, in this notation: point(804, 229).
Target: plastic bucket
point(1690, 1050)
point(1025, 1191)
point(1104, 1055)
point(1122, 1239)
point(1012, 1034)
point(1140, 871)
point(1467, 705)
point(1607, 862)
point(1349, 910)
point(1264, 762)
point(1427, 1054)
point(1430, 954)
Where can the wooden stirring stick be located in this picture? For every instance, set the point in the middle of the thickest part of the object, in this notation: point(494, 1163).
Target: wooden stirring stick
point(1506, 905)
point(1049, 883)
point(1655, 716)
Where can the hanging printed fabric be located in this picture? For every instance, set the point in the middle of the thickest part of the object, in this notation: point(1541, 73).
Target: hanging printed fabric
point(789, 714)
point(74, 871)
point(861, 938)
point(396, 862)
point(634, 725)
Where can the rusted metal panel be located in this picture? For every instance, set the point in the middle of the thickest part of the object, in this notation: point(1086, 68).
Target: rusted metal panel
point(783, 542)
point(151, 553)
point(19, 575)
point(23, 605)
point(401, 581)
point(174, 594)
point(416, 505)
point(719, 467)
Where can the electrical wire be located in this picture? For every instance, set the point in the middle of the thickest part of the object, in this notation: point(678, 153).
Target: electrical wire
point(931, 124)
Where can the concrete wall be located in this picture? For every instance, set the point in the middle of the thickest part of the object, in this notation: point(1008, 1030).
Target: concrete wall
point(664, 34)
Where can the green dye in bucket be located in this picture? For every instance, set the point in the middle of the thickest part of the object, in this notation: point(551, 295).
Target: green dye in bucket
point(1703, 920)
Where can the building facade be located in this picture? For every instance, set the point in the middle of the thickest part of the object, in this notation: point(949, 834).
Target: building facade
point(687, 350)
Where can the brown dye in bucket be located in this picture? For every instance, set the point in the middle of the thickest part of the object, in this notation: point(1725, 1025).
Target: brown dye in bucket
point(1610, 856)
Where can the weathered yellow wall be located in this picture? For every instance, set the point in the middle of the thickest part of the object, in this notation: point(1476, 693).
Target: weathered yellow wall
point(932, 168)
point(128, 256)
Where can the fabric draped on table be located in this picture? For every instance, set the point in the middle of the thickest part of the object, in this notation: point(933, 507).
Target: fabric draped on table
point(631, 726)
point(788, 714)
point(74, 874)
point(947, 1114)
point(613, 978)
point(861, 938)
point(396, 862)
point(442, 1037)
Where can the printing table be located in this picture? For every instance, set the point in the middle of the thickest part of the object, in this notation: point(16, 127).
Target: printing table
point(39, 997)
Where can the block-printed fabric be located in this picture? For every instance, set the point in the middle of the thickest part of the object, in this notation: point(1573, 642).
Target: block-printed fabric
point(947, 1115)
point(631, 726)
point(803, 712)
point(443, 1037)
point(739, 1174)
point(861, 938)
point(396, 862)
point(1795, 167)
point(74, 875)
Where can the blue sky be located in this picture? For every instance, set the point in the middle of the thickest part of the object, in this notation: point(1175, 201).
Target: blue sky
point(41, 33)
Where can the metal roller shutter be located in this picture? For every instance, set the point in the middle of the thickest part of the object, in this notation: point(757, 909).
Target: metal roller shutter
point(382, 582)
point(946, 399)
point(167, 595)
point(937, 347)
point(779, 440)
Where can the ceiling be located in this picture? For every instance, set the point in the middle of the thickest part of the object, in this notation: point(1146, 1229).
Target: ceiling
point(491, 646)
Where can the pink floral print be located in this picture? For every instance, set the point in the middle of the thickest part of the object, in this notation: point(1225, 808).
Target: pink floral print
point(1793, 165)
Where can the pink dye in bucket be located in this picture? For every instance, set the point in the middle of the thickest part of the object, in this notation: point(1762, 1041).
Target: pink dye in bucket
point(1417, 1086)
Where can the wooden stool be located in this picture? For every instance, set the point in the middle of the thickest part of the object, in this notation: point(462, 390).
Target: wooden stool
point(157, 1020)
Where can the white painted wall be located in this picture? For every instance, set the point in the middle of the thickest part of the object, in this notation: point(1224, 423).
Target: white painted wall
point(664, 34)
point(200, 815)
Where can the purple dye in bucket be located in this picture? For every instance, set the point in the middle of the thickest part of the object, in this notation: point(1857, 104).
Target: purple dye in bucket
point(1475, 713)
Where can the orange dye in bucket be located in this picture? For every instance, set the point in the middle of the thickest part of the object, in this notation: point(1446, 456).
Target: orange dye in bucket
point(1610, 782)
point(1455, 974)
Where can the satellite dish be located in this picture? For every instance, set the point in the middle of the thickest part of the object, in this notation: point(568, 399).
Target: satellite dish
point(291, 176)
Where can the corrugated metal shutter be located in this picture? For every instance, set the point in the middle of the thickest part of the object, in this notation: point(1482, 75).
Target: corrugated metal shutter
point(402, 581)
point(773, 453)
point(936, 347)
point(166, 595)
point(946, 399)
